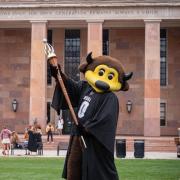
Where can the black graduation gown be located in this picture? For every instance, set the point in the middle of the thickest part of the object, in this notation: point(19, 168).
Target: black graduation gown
point(32, 143)
point(98, 114)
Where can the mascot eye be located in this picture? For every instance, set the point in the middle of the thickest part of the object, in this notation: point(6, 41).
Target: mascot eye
point(101, 72)
point(110, 76)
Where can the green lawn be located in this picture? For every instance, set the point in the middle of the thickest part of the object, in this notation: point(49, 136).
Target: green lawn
point(50, 169)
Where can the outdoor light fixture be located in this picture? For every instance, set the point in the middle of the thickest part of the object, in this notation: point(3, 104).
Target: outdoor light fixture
point(129, 106)
point(14, 105)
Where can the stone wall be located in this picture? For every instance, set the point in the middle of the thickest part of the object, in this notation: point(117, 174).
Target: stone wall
point(14, 77)
point(171, 93)
point(127, 45)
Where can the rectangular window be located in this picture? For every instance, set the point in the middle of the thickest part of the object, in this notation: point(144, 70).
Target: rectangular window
point(162, 114)
point(163, 55)
point(49, 36)
point(72, 53)
point(105, 42)
point(48, 112)
point(49, 78)
point(72, 60)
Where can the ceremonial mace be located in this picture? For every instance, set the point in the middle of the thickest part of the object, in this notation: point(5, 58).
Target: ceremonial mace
point(49, 49)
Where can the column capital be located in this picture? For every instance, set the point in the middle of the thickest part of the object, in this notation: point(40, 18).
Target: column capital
point(95, 20)
point(152, 20)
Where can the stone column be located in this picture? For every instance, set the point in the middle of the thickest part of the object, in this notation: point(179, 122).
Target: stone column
point(95, 37)
point(152, 78)
point(38, 79)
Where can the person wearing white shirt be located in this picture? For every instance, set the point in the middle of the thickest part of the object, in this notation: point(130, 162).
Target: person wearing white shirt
point(60, 125)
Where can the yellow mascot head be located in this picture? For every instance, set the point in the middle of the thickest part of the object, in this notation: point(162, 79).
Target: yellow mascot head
point(105, 73)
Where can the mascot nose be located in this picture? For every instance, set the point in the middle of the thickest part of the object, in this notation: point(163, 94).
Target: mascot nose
point(102, 85)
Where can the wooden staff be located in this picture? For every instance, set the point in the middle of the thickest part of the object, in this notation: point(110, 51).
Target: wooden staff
point(53, 61)
point(49, 51)
point(61, 82)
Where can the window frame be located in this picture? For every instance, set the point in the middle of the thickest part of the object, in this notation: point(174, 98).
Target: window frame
point(105, 45)
point(166, 60)
point(165, 113)
point(73, 58)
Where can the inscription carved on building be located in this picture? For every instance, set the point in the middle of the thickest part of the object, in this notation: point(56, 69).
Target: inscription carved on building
point(89, 13)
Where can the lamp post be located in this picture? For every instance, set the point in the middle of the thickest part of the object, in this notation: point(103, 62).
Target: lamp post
point(14, 105)
point(129, 106)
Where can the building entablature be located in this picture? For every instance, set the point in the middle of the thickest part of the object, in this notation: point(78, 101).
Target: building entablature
point(88, 13)
point(88, 3)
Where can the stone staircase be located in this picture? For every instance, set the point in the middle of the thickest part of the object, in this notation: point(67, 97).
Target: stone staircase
point(57, 139)
point(152, 144)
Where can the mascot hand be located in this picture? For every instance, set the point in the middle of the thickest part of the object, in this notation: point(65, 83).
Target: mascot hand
point(53, 61)
point(81, 130)
point(54, 69)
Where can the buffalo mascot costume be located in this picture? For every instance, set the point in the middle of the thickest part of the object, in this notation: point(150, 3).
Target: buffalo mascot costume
point(97, 113)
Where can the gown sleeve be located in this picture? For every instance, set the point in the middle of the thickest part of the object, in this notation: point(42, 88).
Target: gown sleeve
point(73, 89)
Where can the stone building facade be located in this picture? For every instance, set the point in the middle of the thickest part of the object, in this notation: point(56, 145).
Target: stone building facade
point(143, 35)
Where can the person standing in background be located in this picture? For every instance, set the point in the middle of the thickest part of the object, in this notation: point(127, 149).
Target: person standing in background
point(5, 138)
point(15, 140)
point(60, 125)
point(26, 139)
point(49, 131)
point(32, 144)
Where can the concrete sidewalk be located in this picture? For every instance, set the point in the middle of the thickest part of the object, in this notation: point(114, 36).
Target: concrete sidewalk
point(62, 153)
point(154, 155)
point(46, 153)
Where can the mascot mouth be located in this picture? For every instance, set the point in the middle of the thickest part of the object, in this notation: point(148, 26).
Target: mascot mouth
point(102, 85)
